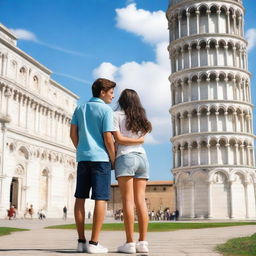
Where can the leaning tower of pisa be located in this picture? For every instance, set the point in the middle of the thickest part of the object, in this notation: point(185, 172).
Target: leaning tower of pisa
point(213, 154)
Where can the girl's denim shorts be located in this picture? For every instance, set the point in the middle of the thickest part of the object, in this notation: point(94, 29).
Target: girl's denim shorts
point(132, 164)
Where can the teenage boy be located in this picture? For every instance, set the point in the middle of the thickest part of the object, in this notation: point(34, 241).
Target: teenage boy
point(90, 132)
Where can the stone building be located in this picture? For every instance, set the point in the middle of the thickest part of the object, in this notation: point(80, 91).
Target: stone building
point(37, 158)
point(159, 196)
point(213, 154)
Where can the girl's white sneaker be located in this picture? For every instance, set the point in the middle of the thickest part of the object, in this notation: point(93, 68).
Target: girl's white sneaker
point(127, 248)
point(142, 246)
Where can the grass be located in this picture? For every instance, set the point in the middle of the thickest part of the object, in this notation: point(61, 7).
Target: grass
point(245, 246)
point(159, 226)
point(7, 231)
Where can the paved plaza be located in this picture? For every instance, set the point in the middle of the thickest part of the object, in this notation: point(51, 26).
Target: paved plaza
point(40, 241)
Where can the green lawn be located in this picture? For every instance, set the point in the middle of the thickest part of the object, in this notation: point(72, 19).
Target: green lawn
point(245, 246)
point(159, 226)
point(6, 231)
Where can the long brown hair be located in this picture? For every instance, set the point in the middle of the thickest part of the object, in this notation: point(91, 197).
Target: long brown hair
point(136, 119)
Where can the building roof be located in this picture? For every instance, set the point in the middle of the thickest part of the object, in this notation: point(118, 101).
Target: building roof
point(154, 183)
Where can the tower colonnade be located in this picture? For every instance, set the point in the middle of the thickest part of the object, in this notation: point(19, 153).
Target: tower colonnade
point(213, 141)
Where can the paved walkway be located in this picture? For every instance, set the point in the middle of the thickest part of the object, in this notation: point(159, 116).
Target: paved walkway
point(39, 241)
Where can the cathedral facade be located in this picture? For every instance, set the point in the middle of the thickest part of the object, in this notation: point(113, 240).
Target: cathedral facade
point(213, 141)
point(37, 158)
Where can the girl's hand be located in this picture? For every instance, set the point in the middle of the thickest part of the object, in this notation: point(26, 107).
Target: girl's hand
point(141, 140)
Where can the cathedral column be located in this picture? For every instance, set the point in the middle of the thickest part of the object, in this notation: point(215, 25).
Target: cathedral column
point(242, 122)
point(228, 21)
point(242, 150)
point(189, 122)
point(228, 152)
point(242, 28)
point(234, 56)
point(237, 162)
point(218, 18)
point(19, 99)
point(231, 188)
point(197, 22)
point(217, 120)
point(226, 120)
point(208, 54)
point(182, 59)
point(189, 90)
point(246, 198)
point(198, 89)
point(181, 124)
point(234, 22)
point(181, 156)
point(189, 56)
point(209, 153)
point(208, 88)
point(192, 200)
point(198, 121)
point(189, 155)
point(218, 152)
point(208, 121)
point(241, 58)
point(27, 111)
point(198, 55)
point(176, 126)
point(179, 18)
point(226, 55)
point(210, 200)
point(249, 155)
point(198, 153)
point(236, 121)
point(177, 61)
point(217, 88)
point(226, 88)
point(217, 52)
point(208, 12)
point(188, 23)
point(182, 92)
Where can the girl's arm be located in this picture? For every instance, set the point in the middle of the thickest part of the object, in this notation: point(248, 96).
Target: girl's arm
point(122, 140)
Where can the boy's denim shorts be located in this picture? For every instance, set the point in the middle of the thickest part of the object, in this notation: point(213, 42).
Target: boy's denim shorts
point(95, 175)
point(132, 164)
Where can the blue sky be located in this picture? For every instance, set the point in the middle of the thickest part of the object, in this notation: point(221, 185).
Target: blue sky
point(120, 39)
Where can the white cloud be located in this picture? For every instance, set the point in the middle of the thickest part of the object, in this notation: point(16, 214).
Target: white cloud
point(23, 34)
point(151, 26)
point(149, 79)
point(251, 38)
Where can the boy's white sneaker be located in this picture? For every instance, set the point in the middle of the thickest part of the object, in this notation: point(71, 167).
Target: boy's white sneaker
point(91, 248)
point(127, 248)
point(81, 247)
point(142, 246)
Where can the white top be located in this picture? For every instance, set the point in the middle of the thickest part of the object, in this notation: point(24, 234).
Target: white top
point(119, 125)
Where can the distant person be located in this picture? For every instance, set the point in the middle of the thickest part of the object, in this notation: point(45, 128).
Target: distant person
point(91, 133)
point(31, 211)
point(89, 214)
point(11, 213)
point(131, 167)
point(177, 215)
point(65, 211)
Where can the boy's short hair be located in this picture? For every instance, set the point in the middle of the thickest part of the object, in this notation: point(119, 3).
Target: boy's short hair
point(101, 84)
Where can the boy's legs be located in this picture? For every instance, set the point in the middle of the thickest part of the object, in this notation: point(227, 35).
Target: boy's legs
point(98, 218)
point(80, 217)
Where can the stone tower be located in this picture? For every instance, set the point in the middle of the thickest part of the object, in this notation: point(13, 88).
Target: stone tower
point(213, 154)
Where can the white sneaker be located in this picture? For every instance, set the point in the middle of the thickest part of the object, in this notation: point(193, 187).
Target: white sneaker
point(127, 248)
point(91, 248)
point(81, 247)
point(142, 246)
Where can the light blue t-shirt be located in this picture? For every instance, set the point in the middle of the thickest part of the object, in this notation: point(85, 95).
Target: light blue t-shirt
point(93, 119)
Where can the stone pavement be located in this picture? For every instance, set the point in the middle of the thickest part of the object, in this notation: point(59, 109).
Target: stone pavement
point(40, 241)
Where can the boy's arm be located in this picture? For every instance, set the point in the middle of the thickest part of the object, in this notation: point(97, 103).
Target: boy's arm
point(109, 143)
point(122, 140)
point(74, 134)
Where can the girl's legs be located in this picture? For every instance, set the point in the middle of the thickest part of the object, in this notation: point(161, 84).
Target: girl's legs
point(139, 186)
point(126, 188)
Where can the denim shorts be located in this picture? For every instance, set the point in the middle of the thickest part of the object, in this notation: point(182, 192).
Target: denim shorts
point(132, 164)
point(95, 176)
